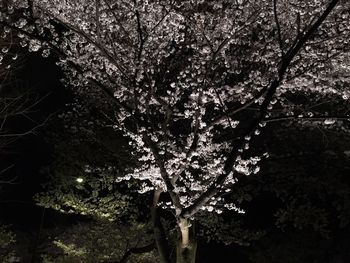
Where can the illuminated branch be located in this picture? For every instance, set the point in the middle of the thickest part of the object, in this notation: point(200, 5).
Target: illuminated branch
point(215, 187)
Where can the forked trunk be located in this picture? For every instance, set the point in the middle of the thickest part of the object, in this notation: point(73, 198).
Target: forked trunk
point(186, 244)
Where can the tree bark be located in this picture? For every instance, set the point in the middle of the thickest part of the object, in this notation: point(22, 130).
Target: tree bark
point(186, 244)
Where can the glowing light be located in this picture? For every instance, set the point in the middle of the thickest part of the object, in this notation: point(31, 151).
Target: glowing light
point(80, 180)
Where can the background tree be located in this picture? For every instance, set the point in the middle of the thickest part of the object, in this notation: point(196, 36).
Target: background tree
point(18, 101)
point(16, 104)
point(14, 101)
point(23, 98)
point(7, 238)
point(100, 242)
point(180, 77)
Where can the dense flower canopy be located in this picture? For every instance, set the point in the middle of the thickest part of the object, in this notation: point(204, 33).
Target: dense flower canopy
point(184, 75)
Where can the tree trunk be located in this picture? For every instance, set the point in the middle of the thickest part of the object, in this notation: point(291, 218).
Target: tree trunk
point(186, 244)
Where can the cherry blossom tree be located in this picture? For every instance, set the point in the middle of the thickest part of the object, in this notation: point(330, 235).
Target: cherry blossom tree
point(182, 77)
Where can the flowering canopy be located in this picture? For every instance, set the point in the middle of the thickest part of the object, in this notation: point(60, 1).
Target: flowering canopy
point(183, 75)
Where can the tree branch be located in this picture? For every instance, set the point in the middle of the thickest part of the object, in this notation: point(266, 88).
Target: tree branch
point(135, 250)
point(139, 31)
point(313, 118)
point(170, 187)
point(278, 26)
point(214, 187)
